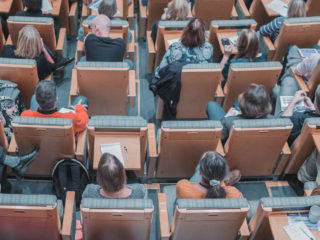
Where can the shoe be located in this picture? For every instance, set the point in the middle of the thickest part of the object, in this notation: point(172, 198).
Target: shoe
point(233, 177)
point(25, 161)
point(62, 63)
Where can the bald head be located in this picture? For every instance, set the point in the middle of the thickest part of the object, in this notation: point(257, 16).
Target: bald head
point(101, 25)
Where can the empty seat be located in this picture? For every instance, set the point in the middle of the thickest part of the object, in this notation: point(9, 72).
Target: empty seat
point(241, 75)
point(45, 27)
point(116, 218)
point(200, 218)
point(130, 131)
point(22, 72)
point(256, 147)
point(109, 86)
point(180, 147)
point(37, 217)
point(54, 137)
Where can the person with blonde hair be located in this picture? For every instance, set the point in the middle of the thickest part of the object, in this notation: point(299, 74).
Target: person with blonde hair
point(296, 8)
point(247, 51)
point(177, 11)
point(30, 46)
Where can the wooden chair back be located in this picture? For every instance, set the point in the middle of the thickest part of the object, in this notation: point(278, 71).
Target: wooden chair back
point(259, 14)
point(303, 32)
point(54, 137)
point(182, 144)
point(45, 27)
point(192, 104)
point(313, 8)
point(210, 10)
point(105, 85)
point(22, 72)
point(154, 11)
point(241, 75)
point(254, 146)
point(2, 40)
point(304, 145)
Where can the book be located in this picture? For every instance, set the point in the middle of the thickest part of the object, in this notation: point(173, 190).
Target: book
point(286, 100)
point(306, 52)
point(279, 7)
point(46, 6)
point(114, 149)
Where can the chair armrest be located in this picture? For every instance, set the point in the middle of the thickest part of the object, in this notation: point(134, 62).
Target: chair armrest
point(219, 95)
point(151, 51)
point(73, 18)
point(244, 230)
point(163, 216)
point(80, 50)
point(284, 157)
point(152, 149)
point(242, 9)
point(61, 41)
point(132, 88)
point(13, 148)
point(130, 14)
point(143, 19)
point(73, 86)
point(234, 14)
point(69, 217)
point(84, 13)
point(303, 86)
point(220, 149)
point(131, 47)
point(316, 140)
point(81, 146)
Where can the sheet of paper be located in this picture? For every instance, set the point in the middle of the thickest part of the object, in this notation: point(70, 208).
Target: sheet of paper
point(171, 41)
point(303, 217)
point(279, 7)
point(285, 101)
point(114, 149)
point(46, 6)
point(66, 110)
point(306, 52)
point(298, 231)
point(233, 39)
point(94, 5)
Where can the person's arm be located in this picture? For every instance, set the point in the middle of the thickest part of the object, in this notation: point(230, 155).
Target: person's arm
point(46, 54)
point(269, 28)
point(299, 96)
point(305, 66)
point(226, 55)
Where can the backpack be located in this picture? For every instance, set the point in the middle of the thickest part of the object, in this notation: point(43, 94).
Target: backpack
point(10, 104)
point(70, 175)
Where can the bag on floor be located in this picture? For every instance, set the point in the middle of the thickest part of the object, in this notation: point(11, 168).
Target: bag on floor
point(70, 175)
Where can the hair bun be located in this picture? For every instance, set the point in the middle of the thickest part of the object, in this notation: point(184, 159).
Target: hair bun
point(214, 182)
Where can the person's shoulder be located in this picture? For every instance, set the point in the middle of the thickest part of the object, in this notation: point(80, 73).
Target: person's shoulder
point(27, 113)
point(119, 40)
point(183, 183)
point(138, 190)
point(207, 45)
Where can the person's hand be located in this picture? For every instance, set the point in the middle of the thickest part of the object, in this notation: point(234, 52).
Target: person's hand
point(299, 96)
point(42, 45)
point(308, 103)
point(232, 112)
point(228, 50)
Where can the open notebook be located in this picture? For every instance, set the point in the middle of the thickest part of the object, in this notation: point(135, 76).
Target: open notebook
point(114, 149)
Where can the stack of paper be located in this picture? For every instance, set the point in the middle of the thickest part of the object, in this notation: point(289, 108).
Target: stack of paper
point(279, 7)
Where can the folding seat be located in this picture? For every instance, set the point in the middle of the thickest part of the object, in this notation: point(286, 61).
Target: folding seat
point(119, 29)
point(192, 104)
point(109, 86)
point(45, 26)
point(201, 218)
point(258, 147)
point(37, 217)
point(241, 75)
point(220, 29)
point(54, 137)
point(303, 32)
point(311, 87)
point(180, 147)
point(272, 216)
point(116, 218)
point(130, 131)
point(22, 72)
point(304, 145)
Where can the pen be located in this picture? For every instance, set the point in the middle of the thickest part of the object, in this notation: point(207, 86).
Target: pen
point(311, 238)
point(126, 152)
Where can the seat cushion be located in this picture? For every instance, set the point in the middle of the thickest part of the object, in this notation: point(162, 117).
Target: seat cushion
point(203, 124)
point(28, 199)
point(262, 123)
point(290, 202)
point(116, 203)
point(117, 121)
point(42, 121)
point(229, 24)
point(121, 65)
point(170, 191)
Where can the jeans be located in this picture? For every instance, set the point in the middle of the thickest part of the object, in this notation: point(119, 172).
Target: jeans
point(34, 104)
point(215, 111)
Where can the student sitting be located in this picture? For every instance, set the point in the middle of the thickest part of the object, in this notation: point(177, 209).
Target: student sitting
point(247, 46)
point(111, 178)
point(192, 48)
point(254, 103)
point(210, 180)
point(296, 8)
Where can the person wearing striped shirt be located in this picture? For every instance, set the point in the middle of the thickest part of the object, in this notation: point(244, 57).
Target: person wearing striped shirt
point(296, 8)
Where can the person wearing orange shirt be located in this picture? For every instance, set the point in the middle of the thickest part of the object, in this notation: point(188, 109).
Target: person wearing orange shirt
point(46, 100)
point(212, 179)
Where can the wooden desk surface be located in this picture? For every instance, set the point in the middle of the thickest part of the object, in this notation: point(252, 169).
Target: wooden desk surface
point(130, 141)
point(120, 9)
point(227, 34)
point(269, 11)
point(278, 221)
point(5, 6)
point(171, 35)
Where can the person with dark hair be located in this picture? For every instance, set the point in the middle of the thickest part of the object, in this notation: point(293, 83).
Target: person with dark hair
point(44, 105)
point(111, 177)
point(210, 180)
point(247, 46)
point(192, 48)
point(34, 10)
point(254, 103)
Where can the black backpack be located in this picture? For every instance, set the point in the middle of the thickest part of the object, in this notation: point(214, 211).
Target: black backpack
point(70, 175)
